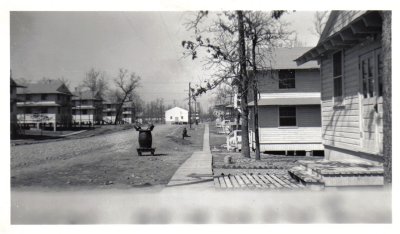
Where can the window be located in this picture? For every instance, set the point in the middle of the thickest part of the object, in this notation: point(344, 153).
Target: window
point(43, 110)
point(28, 110)
point(27, 97)
point(170, 117)
point(287, 116)
point(84, 112)
point(181, 117)
point(380, 74)
point(337, 74)
point(74, 112)
point(43, 97)
point(287, 79)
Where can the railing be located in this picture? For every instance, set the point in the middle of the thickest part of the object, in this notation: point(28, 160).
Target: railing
point(36, 118)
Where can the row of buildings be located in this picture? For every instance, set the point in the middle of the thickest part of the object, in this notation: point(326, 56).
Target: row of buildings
point(326, 100)
point(53, 105)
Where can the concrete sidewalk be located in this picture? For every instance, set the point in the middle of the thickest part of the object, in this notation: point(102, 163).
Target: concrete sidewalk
point(196, 172)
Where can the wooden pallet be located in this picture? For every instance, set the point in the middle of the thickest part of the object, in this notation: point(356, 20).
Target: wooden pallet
point(256, 181)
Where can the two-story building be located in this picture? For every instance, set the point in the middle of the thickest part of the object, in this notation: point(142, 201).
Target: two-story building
point(13, 107)
point(109, 111)
point(45, 104)
point(351, 59)
point(128, 114)
point(87, 107)
point(289, 106)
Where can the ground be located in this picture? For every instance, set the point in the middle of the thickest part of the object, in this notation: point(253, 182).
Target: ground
point(104, 161)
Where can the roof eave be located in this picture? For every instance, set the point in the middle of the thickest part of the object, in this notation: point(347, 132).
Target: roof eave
point(353, 33)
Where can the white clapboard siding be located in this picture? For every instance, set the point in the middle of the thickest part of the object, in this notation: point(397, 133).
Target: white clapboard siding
point(341, 124)
point(291, 135)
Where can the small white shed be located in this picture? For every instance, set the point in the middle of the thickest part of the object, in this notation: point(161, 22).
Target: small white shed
point(176, 115)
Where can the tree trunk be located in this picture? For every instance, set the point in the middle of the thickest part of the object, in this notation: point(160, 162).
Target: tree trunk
point(387, 94)
point(255, 97)
point(244, 83)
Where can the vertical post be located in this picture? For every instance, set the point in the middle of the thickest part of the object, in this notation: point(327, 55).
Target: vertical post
point(195, 110)
point(190, 112)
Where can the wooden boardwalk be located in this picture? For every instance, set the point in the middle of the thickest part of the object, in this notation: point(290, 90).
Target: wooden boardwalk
point(256, 181)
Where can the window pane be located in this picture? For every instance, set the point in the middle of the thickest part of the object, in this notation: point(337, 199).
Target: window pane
point(337, 64)
point(286, 79)
point(370, 77)
point(364, 77)
point(288, 121)
point(337, 87)
point(380, 74)
point(287, 116)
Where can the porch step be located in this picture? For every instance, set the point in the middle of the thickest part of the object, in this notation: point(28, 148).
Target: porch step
point(306, 178)
point(339, 173)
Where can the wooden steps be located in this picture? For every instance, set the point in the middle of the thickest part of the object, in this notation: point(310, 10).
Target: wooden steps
point(256, 181)
point(327, 173)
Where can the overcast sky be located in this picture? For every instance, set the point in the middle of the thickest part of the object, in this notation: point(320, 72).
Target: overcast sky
point(67, 44)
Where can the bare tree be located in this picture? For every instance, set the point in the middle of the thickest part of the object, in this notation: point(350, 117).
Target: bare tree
point(65, 81)
point(45, 80)
point(320, 18)
point(229, 53)
point(96, 82)
point(126, 85)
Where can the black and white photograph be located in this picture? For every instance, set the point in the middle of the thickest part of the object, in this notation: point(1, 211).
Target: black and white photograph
point(197, 115)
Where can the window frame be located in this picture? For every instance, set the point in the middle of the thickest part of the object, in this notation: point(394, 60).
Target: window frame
point(279, 117)
point(285, 79)
point(339, 98)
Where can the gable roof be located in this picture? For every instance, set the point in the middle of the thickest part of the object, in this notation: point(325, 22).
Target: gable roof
point(284, 58)
point(15, 84)
point(53, 87)
point(337, 21)
point(85, 95)
point(176, 108)
point(344, 29)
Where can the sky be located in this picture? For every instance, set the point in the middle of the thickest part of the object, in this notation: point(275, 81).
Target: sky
point(68, 44)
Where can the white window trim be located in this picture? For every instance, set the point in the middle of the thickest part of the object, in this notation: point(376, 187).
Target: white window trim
point(339, 100)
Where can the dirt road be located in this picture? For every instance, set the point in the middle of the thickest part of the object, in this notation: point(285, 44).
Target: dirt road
point(103, 161)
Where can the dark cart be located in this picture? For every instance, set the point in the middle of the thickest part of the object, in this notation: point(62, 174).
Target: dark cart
point(145, 140)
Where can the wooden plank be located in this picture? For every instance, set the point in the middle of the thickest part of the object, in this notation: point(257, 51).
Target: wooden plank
point(216, 182)
point(288, 182)
point(253, 181)
point(228, 182)
point(267, 182)
point(222, 182)
point(234, 182)
point(273, 181)
point(279, 181)
point(260, 181)
point(240, 181)
point(247, 181)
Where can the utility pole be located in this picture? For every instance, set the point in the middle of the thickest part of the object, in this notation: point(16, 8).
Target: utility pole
point(190, 112)
point(195, 110)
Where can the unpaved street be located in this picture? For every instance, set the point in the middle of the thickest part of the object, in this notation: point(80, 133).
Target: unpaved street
point(103, 161)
